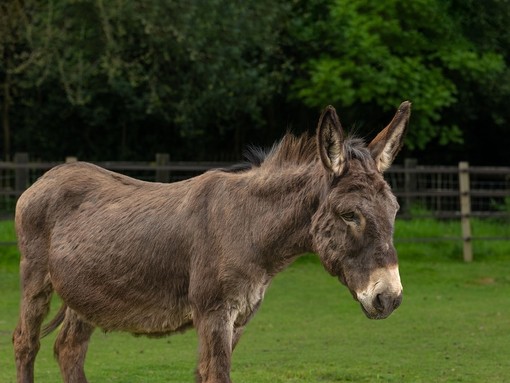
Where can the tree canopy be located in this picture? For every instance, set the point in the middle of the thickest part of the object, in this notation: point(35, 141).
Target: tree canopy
point(123, 79)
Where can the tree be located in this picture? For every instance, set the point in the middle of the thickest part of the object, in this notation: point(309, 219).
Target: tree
point(373, 54)
point(124, 79)
point(198, 72)
point(482, 107)
point(13, 54)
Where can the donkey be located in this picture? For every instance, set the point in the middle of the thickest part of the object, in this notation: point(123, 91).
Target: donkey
point(155, 259)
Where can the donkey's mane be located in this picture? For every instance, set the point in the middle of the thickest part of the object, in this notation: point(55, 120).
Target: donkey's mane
point(297, 150)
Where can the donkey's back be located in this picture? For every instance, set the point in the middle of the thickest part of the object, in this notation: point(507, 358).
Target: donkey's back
point(63, 189)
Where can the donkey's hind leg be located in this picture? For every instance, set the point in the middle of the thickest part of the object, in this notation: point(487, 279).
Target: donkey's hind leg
point(35, 304)
point(71, 347)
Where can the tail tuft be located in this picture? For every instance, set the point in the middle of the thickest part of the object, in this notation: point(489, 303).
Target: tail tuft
point(55, 322)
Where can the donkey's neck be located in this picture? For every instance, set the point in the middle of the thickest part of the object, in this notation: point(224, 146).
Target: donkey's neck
point(286, 200)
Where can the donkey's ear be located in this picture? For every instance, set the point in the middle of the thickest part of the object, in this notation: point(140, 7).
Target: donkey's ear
point(385, 146)
point(330, 141)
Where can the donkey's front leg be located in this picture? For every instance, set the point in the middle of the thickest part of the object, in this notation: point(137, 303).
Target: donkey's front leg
point(215, 333)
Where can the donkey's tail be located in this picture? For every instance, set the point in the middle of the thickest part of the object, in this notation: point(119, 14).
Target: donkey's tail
point(55, 322)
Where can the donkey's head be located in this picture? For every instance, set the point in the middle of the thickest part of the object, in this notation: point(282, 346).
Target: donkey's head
point(353, 227)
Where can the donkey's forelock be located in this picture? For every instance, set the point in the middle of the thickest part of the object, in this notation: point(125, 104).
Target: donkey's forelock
point(356, 149)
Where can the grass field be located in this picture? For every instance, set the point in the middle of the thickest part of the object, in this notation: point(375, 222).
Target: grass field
point(453, 325)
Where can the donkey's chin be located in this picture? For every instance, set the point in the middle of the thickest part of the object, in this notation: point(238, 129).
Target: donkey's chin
point(374, 314)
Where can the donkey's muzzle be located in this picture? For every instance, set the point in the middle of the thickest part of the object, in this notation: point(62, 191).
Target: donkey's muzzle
point(382, 306)
point(382, 295)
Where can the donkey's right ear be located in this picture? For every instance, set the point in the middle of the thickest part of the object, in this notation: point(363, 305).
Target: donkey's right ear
point(330, 141)
point(386, 145)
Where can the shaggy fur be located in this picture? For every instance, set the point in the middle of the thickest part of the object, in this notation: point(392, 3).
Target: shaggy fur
point(155, 259)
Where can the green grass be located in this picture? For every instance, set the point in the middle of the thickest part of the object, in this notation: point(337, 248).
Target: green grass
point(452, 249)
point(452, 326)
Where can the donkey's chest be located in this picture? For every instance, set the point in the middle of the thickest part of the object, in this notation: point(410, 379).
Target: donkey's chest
point(247, 302)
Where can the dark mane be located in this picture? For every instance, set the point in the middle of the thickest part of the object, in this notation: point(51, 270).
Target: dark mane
point(254, 156)
point(296, 150)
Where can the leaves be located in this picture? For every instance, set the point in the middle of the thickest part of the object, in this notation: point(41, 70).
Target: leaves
point(197, 68)
point(380, 53)
point(126, 78)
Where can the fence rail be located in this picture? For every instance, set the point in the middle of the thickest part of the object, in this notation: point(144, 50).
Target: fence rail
point(444, 192)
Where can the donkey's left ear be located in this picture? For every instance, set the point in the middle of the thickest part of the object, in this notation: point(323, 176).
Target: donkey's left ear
point(330, 141)
point(385, 146)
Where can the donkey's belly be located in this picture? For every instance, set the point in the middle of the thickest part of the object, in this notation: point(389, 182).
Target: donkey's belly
point(119, 274)
point(139, 312)
point(151, 321)
point(137, 301)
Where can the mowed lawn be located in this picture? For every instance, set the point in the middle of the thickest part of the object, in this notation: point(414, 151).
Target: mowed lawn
point(453, 326)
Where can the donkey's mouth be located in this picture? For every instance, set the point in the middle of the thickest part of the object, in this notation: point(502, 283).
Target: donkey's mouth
point(375, 315)
point(381, 306)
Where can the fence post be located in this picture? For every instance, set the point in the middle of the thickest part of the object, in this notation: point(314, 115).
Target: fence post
point(162, 175)
point(465, 211)
point(20, 172)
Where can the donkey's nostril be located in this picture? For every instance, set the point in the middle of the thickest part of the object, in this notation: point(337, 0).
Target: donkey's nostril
point(385, 303)
point(379, 302)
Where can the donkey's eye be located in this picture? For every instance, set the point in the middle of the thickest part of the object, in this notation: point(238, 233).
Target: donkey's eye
point(349, 217)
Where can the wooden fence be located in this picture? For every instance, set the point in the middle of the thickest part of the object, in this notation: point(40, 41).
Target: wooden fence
point(453, 192)
point(444, 192)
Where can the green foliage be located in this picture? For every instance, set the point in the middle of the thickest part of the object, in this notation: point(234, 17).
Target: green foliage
point(379, 53)
point(114, 80)
point(108, 69)
point(503, 206)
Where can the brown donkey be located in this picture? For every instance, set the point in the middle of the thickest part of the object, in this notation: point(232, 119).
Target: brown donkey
point(155, 259)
